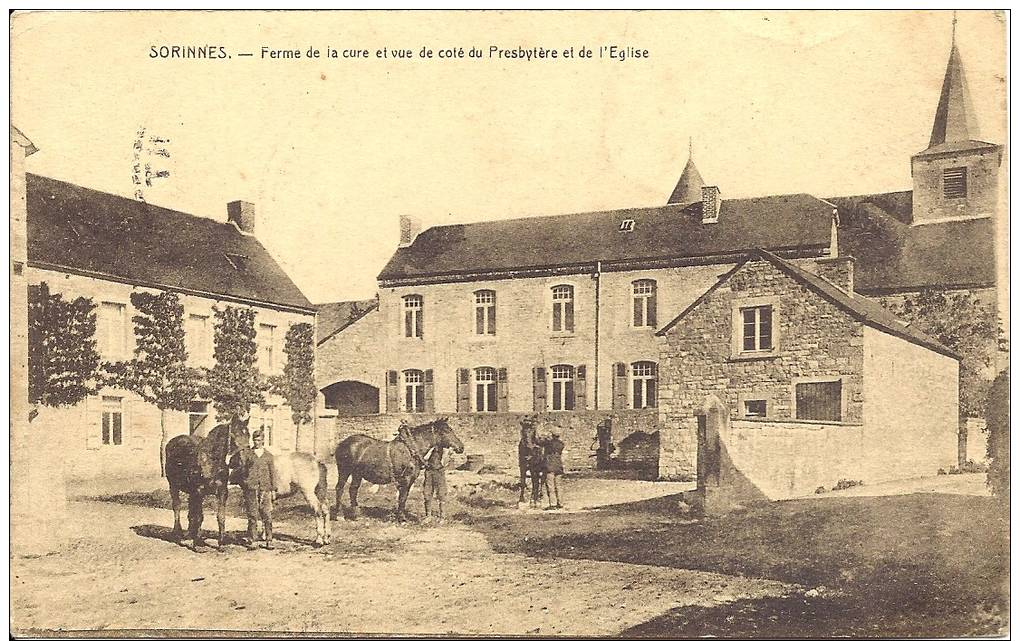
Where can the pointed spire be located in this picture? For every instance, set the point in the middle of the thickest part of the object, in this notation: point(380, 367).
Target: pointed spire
point(688, 188)
point(954, 117)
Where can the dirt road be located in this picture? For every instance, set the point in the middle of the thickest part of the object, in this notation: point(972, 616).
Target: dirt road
point(376, 577)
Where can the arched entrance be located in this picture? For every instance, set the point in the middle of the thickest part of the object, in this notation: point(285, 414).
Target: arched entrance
point(352, 398)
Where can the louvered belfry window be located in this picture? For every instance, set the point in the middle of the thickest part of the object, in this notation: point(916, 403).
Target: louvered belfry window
point(954, 182)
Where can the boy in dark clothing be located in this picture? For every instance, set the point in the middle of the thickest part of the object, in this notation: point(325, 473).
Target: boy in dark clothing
point(259, 487)
point(553, 467)
point(434, 487)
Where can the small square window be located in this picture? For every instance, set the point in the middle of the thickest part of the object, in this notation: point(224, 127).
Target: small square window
point(755, 408)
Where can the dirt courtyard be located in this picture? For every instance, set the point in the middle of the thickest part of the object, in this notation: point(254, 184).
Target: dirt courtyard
point(120, 572)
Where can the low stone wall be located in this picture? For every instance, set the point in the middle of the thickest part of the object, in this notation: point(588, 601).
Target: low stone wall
point(495, 436)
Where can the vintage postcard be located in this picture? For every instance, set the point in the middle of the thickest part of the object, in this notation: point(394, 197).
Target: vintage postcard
point(502, 323)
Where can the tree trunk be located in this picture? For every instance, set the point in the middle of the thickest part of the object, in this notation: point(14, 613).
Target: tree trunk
point(162, 443)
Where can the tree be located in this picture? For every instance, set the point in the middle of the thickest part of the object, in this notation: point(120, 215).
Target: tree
point(62, 359)
point(997, 416)
point(234, 383)
point(297, 384)
point(965, 325)
point(158, 372)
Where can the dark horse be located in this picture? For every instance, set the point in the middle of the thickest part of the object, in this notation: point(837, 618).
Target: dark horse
point(199, 466)
point(531, 459)
point(361, 457)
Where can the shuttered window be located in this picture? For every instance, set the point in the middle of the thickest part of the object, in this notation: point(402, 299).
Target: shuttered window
point(562, 387)
point(954, 182)
point(819, 401)
point(643, 384)
point(485, 389)
point(414, 390)
point(538, 385)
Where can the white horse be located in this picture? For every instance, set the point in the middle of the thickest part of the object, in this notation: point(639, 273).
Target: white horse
point(298, 471)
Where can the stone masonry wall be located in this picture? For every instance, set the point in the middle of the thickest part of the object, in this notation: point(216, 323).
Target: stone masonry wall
point(495, 436)
point(814, 339)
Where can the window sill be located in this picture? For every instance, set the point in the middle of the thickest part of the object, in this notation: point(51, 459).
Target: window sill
point(554, 335)
point(754, 356)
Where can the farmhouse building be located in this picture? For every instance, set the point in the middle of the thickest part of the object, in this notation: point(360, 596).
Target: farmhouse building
point(792, 354)
point(83, 242)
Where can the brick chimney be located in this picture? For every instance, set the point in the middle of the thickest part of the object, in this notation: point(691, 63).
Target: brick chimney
point(839, 271)
point(242, 214)
point(410, 227)
point(711, 201)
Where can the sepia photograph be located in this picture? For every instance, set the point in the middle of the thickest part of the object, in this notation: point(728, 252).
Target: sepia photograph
point(490, 323)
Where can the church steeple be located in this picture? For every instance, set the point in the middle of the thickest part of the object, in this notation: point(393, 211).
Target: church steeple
point(954, 117)
point(688, 188)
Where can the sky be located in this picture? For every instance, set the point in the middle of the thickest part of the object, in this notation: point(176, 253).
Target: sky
point(333, 150)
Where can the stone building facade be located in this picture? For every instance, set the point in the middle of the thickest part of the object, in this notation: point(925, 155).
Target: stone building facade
point(778, 342)
point(103, 247)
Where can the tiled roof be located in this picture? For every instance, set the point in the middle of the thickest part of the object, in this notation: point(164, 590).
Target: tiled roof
point(859, 307)
point(105, 235)
point(671, 231)
point(334, 317)
point(892, 255)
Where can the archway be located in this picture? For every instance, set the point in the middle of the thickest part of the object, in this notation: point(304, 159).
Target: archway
point(352, 398)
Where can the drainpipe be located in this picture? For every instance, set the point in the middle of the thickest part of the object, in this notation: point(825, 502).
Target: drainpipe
point(598, 282)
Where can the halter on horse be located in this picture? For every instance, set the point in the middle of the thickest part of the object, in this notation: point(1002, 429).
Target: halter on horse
point(399, 461)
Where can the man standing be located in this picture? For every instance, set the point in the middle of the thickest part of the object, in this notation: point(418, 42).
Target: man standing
point(434, 489)
point(259, 487)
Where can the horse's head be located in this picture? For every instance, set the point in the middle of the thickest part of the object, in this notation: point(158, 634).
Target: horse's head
point(238, 430)
point(446, 437)
point(529, 431)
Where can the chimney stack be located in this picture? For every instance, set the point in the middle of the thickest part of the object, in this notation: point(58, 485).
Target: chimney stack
point(711, 201)
point(242, 214)
point(410, 227)
point(839, 271)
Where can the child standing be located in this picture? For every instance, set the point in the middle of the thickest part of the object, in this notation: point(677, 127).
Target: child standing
point(553, 467)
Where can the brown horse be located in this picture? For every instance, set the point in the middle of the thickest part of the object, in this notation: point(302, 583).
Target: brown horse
point(531, 460)
point(362, 457)
point(199, 466)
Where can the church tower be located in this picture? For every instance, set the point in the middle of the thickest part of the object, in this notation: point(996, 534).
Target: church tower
point(957, 175)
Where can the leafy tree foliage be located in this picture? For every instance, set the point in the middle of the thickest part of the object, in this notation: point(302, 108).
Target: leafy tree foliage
point(997, 416)
point(62, 358)
point(158, 372)
point(964, 324)
point(297, 383)
point(234, 383)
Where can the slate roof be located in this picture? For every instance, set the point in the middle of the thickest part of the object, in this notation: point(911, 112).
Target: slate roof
point(334, 317)
point(111, 236)
point(891, 255)
point(671, 231)
point(861, 308)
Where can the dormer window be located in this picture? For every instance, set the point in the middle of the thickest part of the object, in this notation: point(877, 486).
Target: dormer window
point(238, 261)
point(954, 182)
point(627, 225)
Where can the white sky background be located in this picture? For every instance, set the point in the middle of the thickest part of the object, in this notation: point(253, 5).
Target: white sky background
point(331, 151)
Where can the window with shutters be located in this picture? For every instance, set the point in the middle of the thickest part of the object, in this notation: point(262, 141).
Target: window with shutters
point(818, 400)
point(414, 390)
point(197, 340)
point(113, 420)
point(413, 309)
point(485, 312)
point(198, 414)
point(112, 331)
point(266, 338)
point(563, 308)
point(644, 303)
point(562, 387)
point(265, 420)
point(485, 389)
point(954, 182)
point(643, 384)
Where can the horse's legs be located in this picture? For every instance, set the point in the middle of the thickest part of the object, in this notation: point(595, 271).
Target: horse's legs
point(353, 491)
point(175, 503)
point(536, 487)
point(195, 516)
point(402, 491)
point(341, 481)
point(524, 483)
point(221, 513)
point(316, 504)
